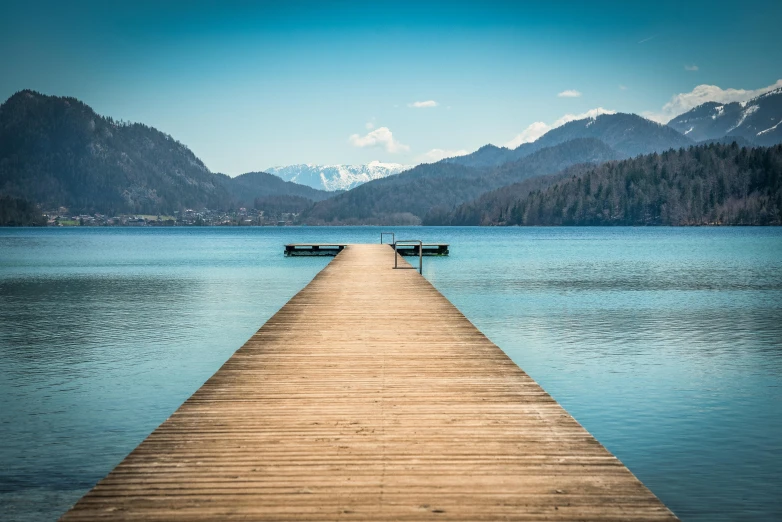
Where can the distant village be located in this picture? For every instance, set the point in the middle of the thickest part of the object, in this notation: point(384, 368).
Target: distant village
point(187, 218)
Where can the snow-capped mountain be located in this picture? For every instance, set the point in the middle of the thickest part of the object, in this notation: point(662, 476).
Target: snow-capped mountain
point(757, 120)
point(336, 177)
point(627, 134)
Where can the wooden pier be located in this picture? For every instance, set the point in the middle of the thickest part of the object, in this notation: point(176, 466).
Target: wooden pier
point(369, 396)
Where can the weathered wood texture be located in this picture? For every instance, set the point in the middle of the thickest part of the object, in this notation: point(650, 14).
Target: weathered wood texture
point(369, 396)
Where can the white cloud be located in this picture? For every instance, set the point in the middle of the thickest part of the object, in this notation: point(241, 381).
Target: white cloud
point(530, 134)
point(647, 39)
point(591, 113)
point(423, 104)
point(539, 128)
point(622, 88)
point(381, 137)
point(370, 124)
point(683, 102)
point(692, 67)
point(438, 154)
point(570, 93)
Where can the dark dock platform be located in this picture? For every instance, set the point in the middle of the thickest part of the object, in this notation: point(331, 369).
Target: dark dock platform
point(332, 249)
point(369, 396)
point(429, 249)
point(314, 249)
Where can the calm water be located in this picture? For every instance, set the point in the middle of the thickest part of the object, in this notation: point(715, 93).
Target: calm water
point(666, 344)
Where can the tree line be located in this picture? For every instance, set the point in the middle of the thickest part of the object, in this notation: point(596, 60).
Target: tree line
point(713, 184)
point(18, 212)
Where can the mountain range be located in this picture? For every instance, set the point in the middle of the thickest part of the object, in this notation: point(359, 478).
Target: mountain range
point(409, 196)
point(57, 151)
point(628, 134)
point(336, 177)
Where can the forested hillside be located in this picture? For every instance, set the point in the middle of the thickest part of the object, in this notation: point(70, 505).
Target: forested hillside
point(708, 184)
point(276, 206)
point(17, 212)
point(58, 152)
point(246, 188)
point(480, 211)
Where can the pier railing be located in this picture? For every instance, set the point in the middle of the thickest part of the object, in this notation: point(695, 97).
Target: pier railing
point(420, 254)
point(393, 237)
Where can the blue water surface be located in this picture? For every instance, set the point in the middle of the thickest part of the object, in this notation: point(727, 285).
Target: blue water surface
point(665, 343)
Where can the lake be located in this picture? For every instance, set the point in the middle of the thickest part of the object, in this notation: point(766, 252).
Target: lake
point(664, 343)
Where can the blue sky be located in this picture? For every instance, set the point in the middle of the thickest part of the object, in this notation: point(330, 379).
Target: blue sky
point(248, 85)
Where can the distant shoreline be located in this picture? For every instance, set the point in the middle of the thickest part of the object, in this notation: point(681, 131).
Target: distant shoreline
point(709, 225)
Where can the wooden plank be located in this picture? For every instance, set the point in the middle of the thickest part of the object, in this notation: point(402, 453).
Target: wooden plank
point(369, 396)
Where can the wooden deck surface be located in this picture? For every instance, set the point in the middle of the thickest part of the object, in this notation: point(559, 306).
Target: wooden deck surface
point(369, 396)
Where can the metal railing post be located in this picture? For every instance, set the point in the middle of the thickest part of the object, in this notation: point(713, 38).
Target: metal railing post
point(420, 254)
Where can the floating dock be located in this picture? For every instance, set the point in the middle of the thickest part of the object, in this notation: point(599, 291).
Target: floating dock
point(314, 249)
point(369, 396)
point(332, 249)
